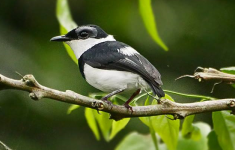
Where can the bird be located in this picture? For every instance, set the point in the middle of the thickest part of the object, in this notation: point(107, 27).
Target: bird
point(110, 65)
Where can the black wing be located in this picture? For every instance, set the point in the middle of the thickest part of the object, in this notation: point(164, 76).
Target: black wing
point(109, 55)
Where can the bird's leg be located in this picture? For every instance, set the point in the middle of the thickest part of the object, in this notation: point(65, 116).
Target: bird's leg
point(105, 99)
point(126, 104)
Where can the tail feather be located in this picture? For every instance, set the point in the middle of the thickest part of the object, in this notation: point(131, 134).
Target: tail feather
point(157, 90)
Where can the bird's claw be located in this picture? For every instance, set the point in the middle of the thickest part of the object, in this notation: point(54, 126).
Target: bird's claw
point(104, 99)
point(128, 107)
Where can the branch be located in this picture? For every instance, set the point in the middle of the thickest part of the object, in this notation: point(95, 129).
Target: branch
point(206, 74)
point(37, 91)
point(211, 74)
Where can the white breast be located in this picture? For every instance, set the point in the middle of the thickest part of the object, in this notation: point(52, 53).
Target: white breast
point(111, 80)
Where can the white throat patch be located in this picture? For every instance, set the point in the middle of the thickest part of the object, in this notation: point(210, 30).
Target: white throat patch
point(80, 46)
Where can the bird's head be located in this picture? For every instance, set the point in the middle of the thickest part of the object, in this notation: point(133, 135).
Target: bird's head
point(83, 38)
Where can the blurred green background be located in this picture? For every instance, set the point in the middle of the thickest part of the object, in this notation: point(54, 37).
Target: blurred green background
point(197, 33)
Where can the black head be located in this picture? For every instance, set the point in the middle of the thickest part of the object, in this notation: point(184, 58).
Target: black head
point(82, 33)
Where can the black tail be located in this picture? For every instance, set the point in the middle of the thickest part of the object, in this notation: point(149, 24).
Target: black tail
point(157, 91)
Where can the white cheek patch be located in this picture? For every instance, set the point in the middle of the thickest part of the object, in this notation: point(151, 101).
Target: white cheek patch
point(129, 51)
point(80, 46)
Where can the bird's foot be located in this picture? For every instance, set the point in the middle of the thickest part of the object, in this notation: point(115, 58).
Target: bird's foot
point(128, 107)
point(160, 100)
point(105, 99)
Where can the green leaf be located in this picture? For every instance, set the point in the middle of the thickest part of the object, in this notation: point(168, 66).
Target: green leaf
point(189, 130)
point(102, 118)
point(136, 141)
point(153, 134)
point(230, 70)
point(72, 108)
point(66, 23)
point(90, 117)
point(224, 126)
point(187, 126)
point(118, 126)
point(169, 97)
point(190, 144)
point(213, 142)
point(105, 124)
point(145, 120)
point(97, 95)
point(149, 21)
point(167, 129)
point(109, 128)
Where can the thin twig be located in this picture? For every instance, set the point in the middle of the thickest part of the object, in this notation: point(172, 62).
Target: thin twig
point(4, 146)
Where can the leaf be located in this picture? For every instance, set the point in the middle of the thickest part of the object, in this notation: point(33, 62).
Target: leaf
point(187, 143)
point(89, 114)
point(230, 70)
point(153, 134)
point(169, 97)
point(109, 128)
point(149, 22)
point(224, 126)
point(213, 142)
point(187, 126)
point(117, 126)
point(136, 141)
point(72, 108)
point(167, 129)
point(66, 23)
point(189, 130)
point(145, 120)
point(102, 119)
point(105, 124)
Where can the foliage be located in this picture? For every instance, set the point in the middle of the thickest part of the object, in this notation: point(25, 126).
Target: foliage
point(167, 129)
point(66, 23)
point(224, 126)
point(136, 141)
point(149, 22)
point(230, 70)
point(194, 136)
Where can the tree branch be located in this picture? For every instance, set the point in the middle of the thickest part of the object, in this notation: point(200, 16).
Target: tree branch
point(206, 74)
point(37, 91)
point(211, 74)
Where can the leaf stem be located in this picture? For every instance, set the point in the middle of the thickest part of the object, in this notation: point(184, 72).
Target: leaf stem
point(153, 134)
point(190, 95)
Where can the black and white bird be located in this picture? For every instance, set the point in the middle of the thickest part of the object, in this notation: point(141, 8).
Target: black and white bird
point(109, 65)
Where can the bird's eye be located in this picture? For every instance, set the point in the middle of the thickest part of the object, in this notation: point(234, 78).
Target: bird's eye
point(84, 34)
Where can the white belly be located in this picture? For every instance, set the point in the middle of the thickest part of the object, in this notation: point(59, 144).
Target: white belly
point(111, 80)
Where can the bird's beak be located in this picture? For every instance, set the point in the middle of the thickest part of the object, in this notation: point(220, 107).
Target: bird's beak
point(62, 38)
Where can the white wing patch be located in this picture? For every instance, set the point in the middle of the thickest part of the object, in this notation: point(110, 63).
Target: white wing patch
point(129, 51)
